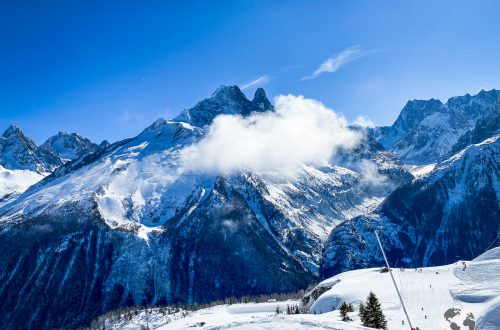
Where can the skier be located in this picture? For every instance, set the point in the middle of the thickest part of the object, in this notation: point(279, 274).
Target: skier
point(430, 286)
point(425, 317)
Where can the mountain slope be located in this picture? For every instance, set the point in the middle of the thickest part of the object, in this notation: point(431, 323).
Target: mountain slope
point(435, 297)
point(69, 146)
point(127, 225)
point(425, 131)
point(453, 211)
point(486, 127)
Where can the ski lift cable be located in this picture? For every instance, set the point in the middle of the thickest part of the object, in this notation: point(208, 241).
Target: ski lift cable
point(393, 280)
point(494, 241)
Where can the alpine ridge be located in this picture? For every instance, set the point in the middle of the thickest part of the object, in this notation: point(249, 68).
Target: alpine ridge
point(450, 213)
point(126, 225)
point(425, 131)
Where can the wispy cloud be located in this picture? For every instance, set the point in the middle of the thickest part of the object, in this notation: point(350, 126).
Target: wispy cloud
point(335, 62)
point(262, 80)
point(363, 121)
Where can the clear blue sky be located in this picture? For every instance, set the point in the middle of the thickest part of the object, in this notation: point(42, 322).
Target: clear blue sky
point(107, 69)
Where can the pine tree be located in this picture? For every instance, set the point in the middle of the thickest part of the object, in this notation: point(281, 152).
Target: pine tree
point(373, 317)
point(362, 313)
point(344, 308)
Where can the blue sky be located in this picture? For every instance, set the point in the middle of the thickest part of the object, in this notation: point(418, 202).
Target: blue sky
point(107, 69)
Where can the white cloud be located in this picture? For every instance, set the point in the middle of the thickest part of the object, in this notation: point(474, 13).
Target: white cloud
point(362, 121)
point(299, 131)
point(262, 80)
point(335, 62)
point(370, 174)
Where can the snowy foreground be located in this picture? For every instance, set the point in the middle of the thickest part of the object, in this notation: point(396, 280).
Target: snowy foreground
point(445, 297)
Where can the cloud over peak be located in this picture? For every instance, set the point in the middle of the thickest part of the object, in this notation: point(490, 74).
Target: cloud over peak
point(299, 131)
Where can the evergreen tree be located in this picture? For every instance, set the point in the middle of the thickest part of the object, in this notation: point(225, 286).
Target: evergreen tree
point(362, 313)
point(344, 308)
point(372, 312)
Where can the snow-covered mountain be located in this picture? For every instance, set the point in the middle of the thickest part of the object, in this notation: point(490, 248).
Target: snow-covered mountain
point(425, 131)
point(19, 152)
point(128, 224)
point(486, 127)
point(23, 163)
point(69, 146)
point(451, 212)
point(225, 100)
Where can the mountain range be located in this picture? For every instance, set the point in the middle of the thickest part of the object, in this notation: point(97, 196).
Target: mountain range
point(97, 227)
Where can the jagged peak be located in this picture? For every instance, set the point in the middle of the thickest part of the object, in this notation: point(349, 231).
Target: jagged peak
point(419, 102)
point(225, 100)
point(157, 123)
point(13, 130)
point(228, 91)
point(104, 144)
point(260, 100)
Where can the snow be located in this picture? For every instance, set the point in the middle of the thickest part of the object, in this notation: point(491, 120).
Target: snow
point(437, 290)
point(252, 316)
point(17, 181)
point(475, 290)
point(419, 171)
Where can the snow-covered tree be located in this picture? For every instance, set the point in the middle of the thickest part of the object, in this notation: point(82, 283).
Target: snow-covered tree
point(373, 316)
point(344, 309)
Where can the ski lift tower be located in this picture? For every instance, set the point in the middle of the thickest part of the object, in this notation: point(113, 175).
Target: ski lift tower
point(393, 281)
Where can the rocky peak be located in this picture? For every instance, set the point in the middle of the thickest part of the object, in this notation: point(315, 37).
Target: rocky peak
point(486, 127)
point(232, 93)
point(228, 100)
point(69, 146)
point(104, 144)
point(19, 152)
point(13, 130)
point(415, 111)
point(425, 131)
point(260, 100)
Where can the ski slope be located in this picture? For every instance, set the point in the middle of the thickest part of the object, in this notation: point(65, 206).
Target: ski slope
point(258, 316)
point(428, 293)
